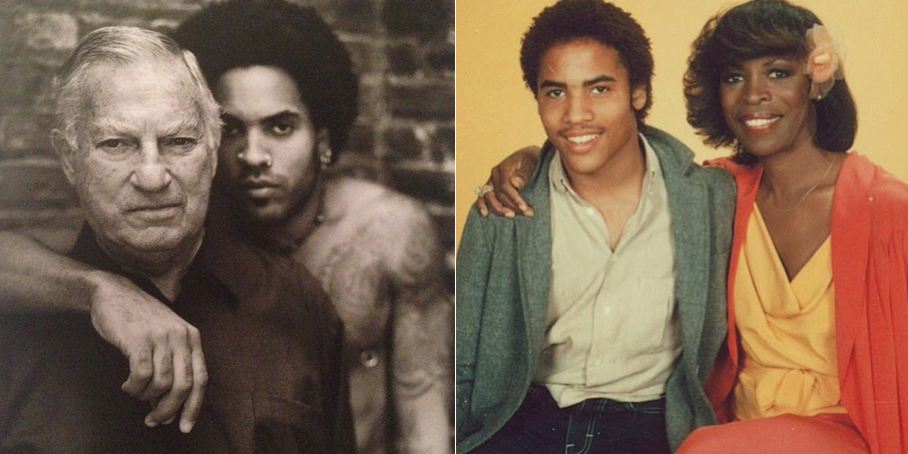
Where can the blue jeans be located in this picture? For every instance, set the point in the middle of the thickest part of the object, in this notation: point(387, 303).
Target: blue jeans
point(594, 426)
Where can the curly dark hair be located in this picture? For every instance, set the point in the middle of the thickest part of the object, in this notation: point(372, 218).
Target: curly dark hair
point(242, 33)
point(570, 20)
point(755, 29)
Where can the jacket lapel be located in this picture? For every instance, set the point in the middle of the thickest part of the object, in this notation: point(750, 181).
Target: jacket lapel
point(534, 252)
point(687, 201)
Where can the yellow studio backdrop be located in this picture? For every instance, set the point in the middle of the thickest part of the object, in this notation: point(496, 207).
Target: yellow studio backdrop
point(496, 113)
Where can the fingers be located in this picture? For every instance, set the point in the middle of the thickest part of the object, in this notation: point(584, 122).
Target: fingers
point(480, 192)
point(141, 369)
point(506, 200)
point(507, 178)
point(487, 198)
point(172, 376)
point(163, 376)
point(481, 206)
point(193, 405)
point(164, 352)
point(497, 204)
point(161, 380)
point(510, 193)
point(518, 177)
point(172, 392)
point(497, 207)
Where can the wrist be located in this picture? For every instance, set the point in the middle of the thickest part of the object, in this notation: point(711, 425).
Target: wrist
point(95, 283)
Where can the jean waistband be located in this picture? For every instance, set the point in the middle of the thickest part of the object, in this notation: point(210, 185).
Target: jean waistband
point(540, 395)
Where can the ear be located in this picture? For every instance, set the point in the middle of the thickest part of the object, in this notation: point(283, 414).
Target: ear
point(66, 151)
point(638, 97)
point(323, 137)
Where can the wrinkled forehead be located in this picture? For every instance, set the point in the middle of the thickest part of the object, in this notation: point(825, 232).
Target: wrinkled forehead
point(159, 73)
point(162, 86)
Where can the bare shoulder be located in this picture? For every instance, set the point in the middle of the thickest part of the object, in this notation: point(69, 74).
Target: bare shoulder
point(364, 218)
point(357, 200)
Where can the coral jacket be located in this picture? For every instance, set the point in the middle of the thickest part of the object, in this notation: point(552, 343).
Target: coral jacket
point(870, 272)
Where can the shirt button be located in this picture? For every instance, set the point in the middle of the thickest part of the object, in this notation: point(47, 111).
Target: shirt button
point(607, 310)
point(369, 358)
point(590, 211)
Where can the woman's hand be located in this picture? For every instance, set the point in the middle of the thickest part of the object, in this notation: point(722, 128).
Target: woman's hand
point(500, 193)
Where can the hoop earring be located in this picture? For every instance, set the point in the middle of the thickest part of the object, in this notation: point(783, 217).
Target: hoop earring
point(324, 155)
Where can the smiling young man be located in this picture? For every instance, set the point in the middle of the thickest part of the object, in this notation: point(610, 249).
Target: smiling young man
point(571, 323)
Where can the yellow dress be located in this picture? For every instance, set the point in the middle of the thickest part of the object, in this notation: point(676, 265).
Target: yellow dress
point(787, 331)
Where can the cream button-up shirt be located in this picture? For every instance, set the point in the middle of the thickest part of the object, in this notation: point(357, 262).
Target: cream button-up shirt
point(612, 329)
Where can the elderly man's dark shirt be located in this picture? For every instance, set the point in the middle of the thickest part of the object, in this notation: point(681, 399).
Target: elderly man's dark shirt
point(272, 346)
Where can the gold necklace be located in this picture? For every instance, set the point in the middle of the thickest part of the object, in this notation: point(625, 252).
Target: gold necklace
point(804, 197)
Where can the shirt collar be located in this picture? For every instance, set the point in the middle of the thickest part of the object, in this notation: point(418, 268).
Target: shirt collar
point(87, 250)
point(208, 262)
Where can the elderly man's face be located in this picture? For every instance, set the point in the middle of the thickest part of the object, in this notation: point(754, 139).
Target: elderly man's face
point(142, 169)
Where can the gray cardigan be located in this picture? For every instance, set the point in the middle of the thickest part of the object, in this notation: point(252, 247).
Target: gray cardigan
point(503, 268)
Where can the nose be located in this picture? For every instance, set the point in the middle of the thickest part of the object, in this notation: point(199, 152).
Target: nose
point(256, 152)
point(152, 173)
point(756, 90)
point(578, 109)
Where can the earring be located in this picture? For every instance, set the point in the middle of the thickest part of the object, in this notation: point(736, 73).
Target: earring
point(324, 155)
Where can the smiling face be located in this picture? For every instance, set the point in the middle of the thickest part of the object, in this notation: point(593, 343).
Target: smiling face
point(587, 106)
point(766, 106)
point(141, 166)
point(265, 121)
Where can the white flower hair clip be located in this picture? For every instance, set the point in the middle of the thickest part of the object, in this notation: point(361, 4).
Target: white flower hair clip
point(824, 63)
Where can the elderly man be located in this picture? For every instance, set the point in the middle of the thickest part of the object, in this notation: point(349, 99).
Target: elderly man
point(137, 137)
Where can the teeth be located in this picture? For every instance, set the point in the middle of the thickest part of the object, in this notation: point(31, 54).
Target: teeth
point(760, 122)
point(582, 139)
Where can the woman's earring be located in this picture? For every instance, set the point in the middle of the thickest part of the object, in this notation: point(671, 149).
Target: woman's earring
point(324, 155)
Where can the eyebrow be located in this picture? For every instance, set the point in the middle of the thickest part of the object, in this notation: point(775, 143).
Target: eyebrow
point(109, 126)
point(557, 84)
point(770, 62)
point(282, 115)
point(778, 60)
point(187, 124)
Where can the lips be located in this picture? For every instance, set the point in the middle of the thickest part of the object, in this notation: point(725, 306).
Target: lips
point(258, 189)
point(759, 123)
point(154, 207)
point(580, 140)
point(156, 212)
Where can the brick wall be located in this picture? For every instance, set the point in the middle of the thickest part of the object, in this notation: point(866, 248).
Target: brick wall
point(404, 136)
